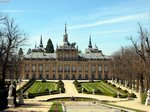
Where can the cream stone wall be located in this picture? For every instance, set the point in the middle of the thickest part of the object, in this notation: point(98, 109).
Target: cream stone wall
point(51, 73)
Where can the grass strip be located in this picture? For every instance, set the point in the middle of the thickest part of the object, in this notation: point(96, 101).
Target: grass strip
point(56, 107)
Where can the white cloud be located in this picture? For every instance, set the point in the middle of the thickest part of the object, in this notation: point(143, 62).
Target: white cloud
point(112, 21)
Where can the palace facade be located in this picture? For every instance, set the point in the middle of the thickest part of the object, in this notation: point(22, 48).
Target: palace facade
point(66, 63)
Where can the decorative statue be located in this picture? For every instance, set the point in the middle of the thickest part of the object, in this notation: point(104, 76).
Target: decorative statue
point(73, 45)
point(11, 88)
point(12, 95)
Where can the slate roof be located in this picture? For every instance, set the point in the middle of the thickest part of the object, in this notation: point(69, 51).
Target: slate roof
point(41, 55)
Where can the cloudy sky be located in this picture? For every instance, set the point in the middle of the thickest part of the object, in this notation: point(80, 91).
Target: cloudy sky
point(109, 22)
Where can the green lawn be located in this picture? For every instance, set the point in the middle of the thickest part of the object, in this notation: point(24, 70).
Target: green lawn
point(39, 87)
point(105, 88)
point(56, 107)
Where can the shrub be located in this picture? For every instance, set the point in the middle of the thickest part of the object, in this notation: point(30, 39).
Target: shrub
point(78, 85)
point(43, 80)
point(60, 82)
point(26, 86)
point(114, 85)
point(31, 95)
point(105, 81)
point(133, 95)
point(75, 82)
point(84, 90)
point(125, 91)
point(109, 83)
point(143, 98)
point(119, 88)
point(123, 96)
point(91, 81)
point(97, 91)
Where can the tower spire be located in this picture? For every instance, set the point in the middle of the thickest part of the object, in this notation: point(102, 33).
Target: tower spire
point(90, 42)
point(65, 28)
point(41, 42)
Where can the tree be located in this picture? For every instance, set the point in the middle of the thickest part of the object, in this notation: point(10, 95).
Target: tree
point(29, 51)
point(132, 63)
point(20, 52)
point(49, 48)
point(142, 48)
point(11, 39)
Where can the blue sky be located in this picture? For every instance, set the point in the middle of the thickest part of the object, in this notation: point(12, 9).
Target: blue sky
point(109, 22)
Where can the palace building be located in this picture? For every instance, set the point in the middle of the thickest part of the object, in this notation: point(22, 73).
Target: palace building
point(66, 63)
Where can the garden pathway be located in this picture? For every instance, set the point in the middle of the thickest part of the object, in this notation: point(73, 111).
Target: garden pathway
point(70, 88)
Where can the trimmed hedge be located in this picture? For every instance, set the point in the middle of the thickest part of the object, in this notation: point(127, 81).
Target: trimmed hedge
point(61, 85)
point(78, 86)
point(143, 98)
point(25, 87)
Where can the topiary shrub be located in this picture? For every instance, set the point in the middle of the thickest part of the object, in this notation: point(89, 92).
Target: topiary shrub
point(31, 95)
point(105, 81)
point(43, 80)
point(113, 85)
point(119, 88)
point(78, 85)
point(125, 91)
point(98, 91)
point(133, 95)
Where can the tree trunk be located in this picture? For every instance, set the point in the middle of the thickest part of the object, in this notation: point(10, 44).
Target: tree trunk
point(142, 83)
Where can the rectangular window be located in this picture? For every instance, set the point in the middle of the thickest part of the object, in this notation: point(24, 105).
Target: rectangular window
point(106, 68)
point(27, 68)
point(40, 67)
point(86, 68)
point(73, 68)
point(93, 68)
point(60, 68)
point(47, 68)
point(33, 68)
point(99, 68)
point(67, 69)
point(80, 68)
point(54, 68)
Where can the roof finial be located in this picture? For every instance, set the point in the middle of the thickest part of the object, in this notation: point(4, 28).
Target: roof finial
point(90, 42)
point(65, 28)
point(41, 42)
point(35, 44)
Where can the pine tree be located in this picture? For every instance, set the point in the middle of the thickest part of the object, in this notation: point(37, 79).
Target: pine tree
point(20, 52)
point(29, 51)
point(49, 48)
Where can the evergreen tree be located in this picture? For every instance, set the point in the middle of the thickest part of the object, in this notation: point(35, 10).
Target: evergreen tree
point(20, 52)
point(49, 48)
point(29, 51)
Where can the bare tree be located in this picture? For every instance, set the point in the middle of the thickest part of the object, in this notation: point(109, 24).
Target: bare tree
point(142, 48)
point(11, 39)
